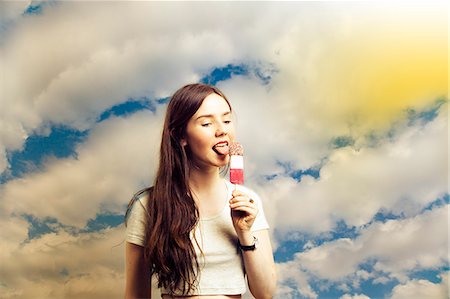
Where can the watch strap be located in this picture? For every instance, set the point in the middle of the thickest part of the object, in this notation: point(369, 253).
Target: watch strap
point(249, 247)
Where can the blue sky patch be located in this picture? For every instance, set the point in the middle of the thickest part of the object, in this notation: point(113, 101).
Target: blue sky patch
point(429, 274)
point(39, 227)
point(296, 241)
point(342, 141)
point(297, 174)
point(342, 230)
point(37, 7)
point(413, 117)
point(60, 143)
point(288, 248)
point(428, 114)
point(313, 171)
point(129, 107)
point(224, 73)
point(33, 9)
point(264, 72)
point(377, 290)
point(163, 100)
point(384, 215)
point(103, 221)
point(439, 202)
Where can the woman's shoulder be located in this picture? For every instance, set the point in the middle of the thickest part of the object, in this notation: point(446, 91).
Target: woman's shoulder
point(142, 197)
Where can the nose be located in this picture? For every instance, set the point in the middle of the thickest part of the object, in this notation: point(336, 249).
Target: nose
point(221, 130)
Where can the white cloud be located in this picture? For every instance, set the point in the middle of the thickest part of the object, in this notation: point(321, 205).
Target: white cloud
point(117, 159)
point(356, 184)
point(420, 243)
point(290, 274)
point(381, 280)
point(88, 62)
point(76, 60)
point(14, 231)
point(59, 265)
point(11, 10)
point(271, 134)
point(397, 247)
point(422, 289)
point(97, 63)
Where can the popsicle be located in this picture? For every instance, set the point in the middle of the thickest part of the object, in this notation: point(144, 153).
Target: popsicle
point(236, 163)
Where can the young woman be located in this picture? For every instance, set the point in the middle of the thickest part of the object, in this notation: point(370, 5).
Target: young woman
point(198, 234)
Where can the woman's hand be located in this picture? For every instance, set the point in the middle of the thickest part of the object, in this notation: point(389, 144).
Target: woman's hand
point(243, 211)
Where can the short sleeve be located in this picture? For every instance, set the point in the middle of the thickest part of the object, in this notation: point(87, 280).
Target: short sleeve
point(136, 222)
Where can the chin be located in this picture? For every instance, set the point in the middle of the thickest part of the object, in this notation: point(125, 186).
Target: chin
point(223, 161)
point(222, 164)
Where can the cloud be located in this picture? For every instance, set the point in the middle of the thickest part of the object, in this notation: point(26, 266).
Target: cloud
point(60, 265)
point(420, 243)
point(422, 289)
point(96, 63)
point(12, 237)
point(336, 70)
point(339, 73)
point(84, 75)
point(355, 184)
point(118, 158)
point(11, 10)
point(354, 72)
point(293, 279)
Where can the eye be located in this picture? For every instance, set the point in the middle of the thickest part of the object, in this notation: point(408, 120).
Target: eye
point(206, 125)
point(227, 121)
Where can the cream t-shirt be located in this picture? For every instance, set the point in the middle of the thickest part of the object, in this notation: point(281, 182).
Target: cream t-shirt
point(221, 266)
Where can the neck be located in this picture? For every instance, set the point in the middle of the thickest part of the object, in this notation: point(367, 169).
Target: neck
point(203, 181)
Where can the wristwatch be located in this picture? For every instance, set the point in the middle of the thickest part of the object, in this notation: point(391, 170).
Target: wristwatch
point(249, 247)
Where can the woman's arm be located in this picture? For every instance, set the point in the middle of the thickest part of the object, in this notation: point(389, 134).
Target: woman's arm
point(137, 283)
point(259, 264)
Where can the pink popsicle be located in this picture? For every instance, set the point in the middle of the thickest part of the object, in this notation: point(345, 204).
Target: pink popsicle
point(236, 163)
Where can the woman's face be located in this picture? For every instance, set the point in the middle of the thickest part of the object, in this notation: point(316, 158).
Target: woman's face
point(210, 125)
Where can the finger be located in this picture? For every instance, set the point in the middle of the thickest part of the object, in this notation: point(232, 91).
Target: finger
point(248, 210)
point(242, 199)
point(243, 204)
point(236, 193)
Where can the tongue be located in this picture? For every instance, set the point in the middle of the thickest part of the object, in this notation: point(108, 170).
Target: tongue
point(221, 149)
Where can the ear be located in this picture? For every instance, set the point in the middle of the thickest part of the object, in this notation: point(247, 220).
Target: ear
point(183, 142)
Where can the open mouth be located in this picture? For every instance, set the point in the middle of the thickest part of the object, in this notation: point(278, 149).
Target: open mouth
point(221, 148)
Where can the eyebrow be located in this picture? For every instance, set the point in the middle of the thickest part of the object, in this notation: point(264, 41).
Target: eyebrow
point(211, 115)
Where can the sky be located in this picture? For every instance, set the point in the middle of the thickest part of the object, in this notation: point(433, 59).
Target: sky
point(342, 108)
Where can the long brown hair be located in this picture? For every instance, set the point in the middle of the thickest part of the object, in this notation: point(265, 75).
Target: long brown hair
point(172, 212)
